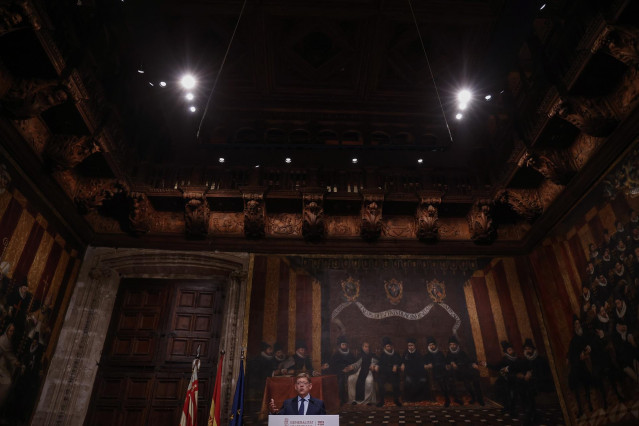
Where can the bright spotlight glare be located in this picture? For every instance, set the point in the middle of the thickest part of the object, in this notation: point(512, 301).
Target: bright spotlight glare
point(141, 71)
point(221, 160)
point(189, 96)
point(459, 116)
point(488, 97)
point(543, 6)
point(192, 109)
point(354, 160)
point(463, 96)
point(420, 161)
point(463, 106)
point(288, 160)
point(188, 82)
point(162, 83)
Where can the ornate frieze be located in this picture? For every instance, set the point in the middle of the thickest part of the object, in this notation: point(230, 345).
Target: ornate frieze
point(371, 225)
point(254, 215)
point(427, 218)
point(64, 152)
point(621, 42)
point(482, 228)
point(196, 214)
point(313, 224)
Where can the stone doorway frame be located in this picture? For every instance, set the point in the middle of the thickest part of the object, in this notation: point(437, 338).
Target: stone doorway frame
point(66, 392)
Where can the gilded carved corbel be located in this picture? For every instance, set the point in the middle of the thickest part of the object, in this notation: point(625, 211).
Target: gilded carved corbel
point(254, 215)
point(140, 213)
point(483, 229)
point(427, 217)
point(196, 213)
point(313, 224)
point(371, 225)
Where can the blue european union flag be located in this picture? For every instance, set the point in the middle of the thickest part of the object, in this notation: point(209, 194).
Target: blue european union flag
point(238, 399)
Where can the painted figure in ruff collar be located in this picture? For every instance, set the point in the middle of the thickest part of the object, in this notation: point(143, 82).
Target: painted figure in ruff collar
point(464, 369)
point(340, 365)
point(299, 362)
point(435, 363)
point(388, 371)
point(415, 379)
point(535, 377)
point(506, 387)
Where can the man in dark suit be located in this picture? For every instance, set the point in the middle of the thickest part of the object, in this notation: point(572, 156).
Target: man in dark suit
point(303, 403)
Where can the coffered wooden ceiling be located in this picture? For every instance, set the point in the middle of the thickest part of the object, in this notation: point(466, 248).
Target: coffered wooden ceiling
point(320, 82)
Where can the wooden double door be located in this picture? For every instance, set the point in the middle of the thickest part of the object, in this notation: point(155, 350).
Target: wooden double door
point(155, 331)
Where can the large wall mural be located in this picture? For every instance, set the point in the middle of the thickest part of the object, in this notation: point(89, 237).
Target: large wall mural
point(587, 273)
point(323, 313)
point(37, 271)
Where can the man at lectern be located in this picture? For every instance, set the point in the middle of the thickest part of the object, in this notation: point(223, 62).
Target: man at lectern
point(303, 403)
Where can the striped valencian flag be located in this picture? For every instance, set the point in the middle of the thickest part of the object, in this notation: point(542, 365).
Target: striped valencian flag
point(214, 414)
point(189, 410)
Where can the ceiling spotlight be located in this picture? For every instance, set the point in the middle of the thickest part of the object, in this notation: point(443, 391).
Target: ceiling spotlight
point(162, 83)
point(459, 116)
point(151, 84)
point(354, 160)
point(420, 161)
point(141, 71)
point(463, 106)
point(543, 6)
point(257, 166)
point(221, 160)
point(192, 109)
point(288, 160)
point(488, 97)
point(189, 96)
point(188, 81)
point(463, 97)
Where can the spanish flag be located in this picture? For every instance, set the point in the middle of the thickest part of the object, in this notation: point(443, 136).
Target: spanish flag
point(214, 414)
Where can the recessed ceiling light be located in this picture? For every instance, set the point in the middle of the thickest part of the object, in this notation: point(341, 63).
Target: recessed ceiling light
point(189, 96)
point(459, 116)
point(221, 160)
point(488, 97)
point(354, 160)
point(288, 160)
point(463, 96)
point(188, 81)
point(192, 109)
point(162, 83)
point(420, 161)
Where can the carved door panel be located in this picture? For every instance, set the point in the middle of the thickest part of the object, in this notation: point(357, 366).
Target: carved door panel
point(156, 329)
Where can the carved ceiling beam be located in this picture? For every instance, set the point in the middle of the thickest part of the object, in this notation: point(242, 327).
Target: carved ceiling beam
point(483, 229)
point(254, 213)
point(196, 212)
point(313, 221)
point(593, 116)
point(371, 214)
point(621, 42)
point(427, 215)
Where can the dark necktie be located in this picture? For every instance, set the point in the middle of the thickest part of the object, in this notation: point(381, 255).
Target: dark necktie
point(300, 411)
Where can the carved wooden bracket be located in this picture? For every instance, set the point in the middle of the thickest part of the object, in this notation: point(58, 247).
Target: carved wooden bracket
point(29, 98)
point(64, 152)
point(620, 42)
point(525, 202)
point(593, 116)
point(254, 215)
point(556, 166)
point(140, 213)
point(14, 15)
point(196, 213)
point(371, 227)
point(313, 225)
point(93, 193)
point(427, 216)
point(480, 222)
